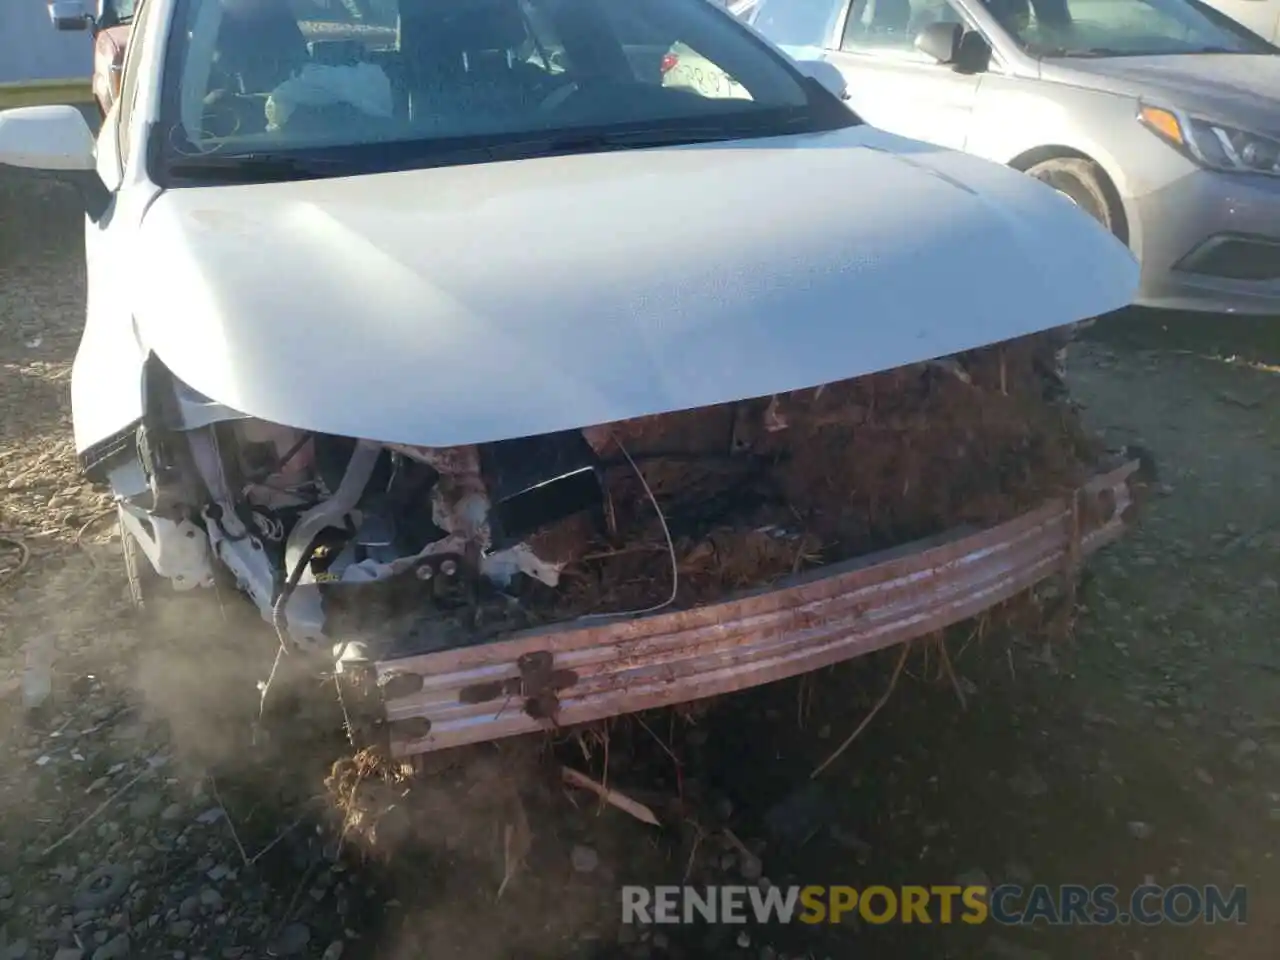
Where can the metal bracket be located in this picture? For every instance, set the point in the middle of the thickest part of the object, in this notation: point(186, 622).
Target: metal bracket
point(539, 684)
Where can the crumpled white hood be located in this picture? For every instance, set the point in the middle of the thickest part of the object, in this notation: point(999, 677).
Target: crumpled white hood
point(477, 303)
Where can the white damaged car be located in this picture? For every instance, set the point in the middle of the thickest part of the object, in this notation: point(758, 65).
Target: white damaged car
point(536, 396)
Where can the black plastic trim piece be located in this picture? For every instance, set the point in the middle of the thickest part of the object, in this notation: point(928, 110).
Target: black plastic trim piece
point(97, 459)
point(1220, 256)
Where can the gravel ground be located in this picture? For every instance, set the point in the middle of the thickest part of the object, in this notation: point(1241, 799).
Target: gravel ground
point(139, 819)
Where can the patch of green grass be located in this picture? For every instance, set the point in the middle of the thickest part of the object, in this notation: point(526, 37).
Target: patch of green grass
point(30, 93)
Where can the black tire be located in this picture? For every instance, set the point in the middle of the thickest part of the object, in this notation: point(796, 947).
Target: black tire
point(1084, 184)
point(149, 591)
point(141, 576)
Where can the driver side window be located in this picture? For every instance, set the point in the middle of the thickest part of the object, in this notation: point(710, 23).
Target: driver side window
point(796, 22)
point(892, 25)
point(129, 80)
point(112, 13)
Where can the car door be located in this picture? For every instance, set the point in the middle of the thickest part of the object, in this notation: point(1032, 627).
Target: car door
point(894, 86)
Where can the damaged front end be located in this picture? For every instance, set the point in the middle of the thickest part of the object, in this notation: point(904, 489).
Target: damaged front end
point(475, 592)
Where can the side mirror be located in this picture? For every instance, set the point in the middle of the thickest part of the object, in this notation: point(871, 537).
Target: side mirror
point(69, 15)
point(52, 138)
point(940, 41)
point(966, 51)
point(55, 139)
point(827, 74)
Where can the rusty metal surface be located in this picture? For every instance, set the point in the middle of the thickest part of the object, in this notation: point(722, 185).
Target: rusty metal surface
point(573, 673)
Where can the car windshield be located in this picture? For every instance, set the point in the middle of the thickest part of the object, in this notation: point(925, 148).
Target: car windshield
point(418, 81)
point(1121, 28)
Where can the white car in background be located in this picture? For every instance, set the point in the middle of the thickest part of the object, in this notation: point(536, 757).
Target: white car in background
point(1260, 16)
point(1161, 118)
point(369, 319)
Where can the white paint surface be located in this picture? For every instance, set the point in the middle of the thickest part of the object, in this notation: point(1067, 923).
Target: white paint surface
point(52, 137)
point(483, 302)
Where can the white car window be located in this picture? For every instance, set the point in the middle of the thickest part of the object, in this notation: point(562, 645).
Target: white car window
point(1101, 28)
point(140, 36)
point(114, 12)
point(795, 22)
point(249, 75)
point(893, 25)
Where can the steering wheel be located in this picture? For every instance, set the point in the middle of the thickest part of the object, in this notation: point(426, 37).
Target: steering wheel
point(221, 118)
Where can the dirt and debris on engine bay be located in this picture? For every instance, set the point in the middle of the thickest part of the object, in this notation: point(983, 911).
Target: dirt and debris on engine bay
point(753, 492)
point(142, 815)
point(690, 508)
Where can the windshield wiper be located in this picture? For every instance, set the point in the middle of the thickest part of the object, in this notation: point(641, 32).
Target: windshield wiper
point(257, 167)
point(275, 167)
point(1085, 52)
point(600, 142)
point(596, 142)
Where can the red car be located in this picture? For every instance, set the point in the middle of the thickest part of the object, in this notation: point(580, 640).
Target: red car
point(110, 26)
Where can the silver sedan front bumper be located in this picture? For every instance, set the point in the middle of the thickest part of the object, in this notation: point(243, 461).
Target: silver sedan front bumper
point(1211, 241)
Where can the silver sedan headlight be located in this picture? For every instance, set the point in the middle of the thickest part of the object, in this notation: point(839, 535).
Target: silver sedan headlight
point(1214, 145)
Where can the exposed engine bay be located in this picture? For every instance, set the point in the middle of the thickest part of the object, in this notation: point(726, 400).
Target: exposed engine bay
point(374, 550)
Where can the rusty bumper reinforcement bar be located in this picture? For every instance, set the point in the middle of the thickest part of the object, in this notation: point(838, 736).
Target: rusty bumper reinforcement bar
point(570, 674)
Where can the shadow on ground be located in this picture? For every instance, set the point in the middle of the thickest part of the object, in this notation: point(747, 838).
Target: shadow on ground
point(1253, 338)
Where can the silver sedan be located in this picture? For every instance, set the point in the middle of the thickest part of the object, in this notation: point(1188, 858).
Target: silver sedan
point(1159, 117)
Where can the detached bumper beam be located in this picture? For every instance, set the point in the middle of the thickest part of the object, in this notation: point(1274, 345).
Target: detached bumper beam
point(569, 674)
